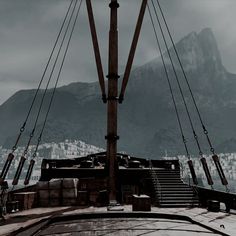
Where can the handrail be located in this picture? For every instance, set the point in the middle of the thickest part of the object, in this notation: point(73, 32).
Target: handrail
point(196, 193)
point(195, 190)
point(181, 170)
point(154, 178)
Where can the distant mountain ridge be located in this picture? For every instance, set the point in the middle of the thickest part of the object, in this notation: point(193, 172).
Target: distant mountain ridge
point(147, 121)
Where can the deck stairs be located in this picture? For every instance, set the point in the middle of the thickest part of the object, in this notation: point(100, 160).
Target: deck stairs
point(169, 190)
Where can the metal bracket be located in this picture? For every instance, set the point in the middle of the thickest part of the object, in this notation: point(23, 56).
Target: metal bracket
point(112, 137)
point(113, 76)
point(114, 5)
point(112, 98)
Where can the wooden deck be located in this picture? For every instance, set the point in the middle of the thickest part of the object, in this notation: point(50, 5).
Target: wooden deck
point(223, 222)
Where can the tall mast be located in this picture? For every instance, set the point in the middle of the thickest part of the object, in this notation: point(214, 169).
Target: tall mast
point(112, 99)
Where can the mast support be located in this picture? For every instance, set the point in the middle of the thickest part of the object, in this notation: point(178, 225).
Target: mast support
point(96, 49)
point(112, 102)
point(132, 50)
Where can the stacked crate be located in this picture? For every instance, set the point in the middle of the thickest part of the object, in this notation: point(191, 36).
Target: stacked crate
point(127, 193)
point(49, 193)
point(82, 198)
point(141, 203)
point(43, 193)
point(24, 200)
point(55, 192)
point(95, 189)
point(69, 192)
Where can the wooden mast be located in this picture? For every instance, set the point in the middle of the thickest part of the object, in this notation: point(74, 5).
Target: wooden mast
point(112, 100)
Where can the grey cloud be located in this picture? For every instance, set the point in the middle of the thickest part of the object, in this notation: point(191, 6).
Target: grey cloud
point(28, 29)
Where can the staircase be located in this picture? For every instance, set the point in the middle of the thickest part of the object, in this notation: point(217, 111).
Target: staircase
point(170, 190)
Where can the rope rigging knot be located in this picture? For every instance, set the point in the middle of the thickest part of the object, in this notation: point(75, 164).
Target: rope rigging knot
point(32, 133)
point(195, 135)
point(205, 131)
point(184, 139)
point(22, 129)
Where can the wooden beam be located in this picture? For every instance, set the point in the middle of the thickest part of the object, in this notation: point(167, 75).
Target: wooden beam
point(112, 101)
point(96, 49)
point(132, 50)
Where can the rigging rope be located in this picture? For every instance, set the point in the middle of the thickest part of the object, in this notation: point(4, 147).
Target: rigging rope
point(23, 158)
point(59, 73)
point(42, 78)
point(173, 99)
point(206, 169)
point(170, 86)
point(217, 163)
point(186, 79)
point(22, 129)
point(50, 77)
point(32, 162)
point(178, 82)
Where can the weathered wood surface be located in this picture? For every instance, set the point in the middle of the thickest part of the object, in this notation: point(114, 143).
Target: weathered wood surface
point(214, 220)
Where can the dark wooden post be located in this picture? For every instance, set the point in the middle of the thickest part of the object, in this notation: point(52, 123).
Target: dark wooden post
point(133, 50)
point(96, 49)
point(112, 100)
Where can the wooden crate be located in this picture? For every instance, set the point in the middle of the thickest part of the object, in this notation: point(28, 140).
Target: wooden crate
point(50, 193)
point(82, 199)
point(69, 201)
point(55, 184)
point(103, 198)
point(54, 202)
point(42, 185)
point(127, 197)
point(27, 200)
point(44, 202)
point(69, 183)
point(69, 193)
point(92, 184)
point(43, 194)
point(93, 196)
point(141, 203)
point(54, 193)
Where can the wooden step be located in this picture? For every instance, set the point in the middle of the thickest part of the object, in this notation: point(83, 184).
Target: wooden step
point(166, 197)
point(178, 205)
point(177, 193)
point(173, 184)
point(177, 201)
point(170, 190)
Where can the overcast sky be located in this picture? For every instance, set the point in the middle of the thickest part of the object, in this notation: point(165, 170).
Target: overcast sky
point(28, 29)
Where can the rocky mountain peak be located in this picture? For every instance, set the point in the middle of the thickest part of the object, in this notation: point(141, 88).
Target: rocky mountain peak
point(147, 123)
point(200, 51)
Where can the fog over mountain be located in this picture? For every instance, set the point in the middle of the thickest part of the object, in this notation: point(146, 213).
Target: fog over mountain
point(147, 120)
